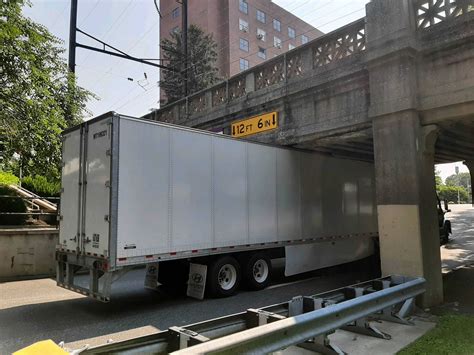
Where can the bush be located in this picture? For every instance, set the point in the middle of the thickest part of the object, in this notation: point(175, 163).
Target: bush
point(39, 185)
point(7, 178)
point(8, 204)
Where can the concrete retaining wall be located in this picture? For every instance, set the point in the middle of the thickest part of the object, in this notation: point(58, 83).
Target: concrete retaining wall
point(27, 253)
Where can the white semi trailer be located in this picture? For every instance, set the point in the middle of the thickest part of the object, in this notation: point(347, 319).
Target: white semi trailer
point(138, 192)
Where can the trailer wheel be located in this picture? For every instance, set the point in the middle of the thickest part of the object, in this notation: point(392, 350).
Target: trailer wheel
point(257, 270)
point(223, 277)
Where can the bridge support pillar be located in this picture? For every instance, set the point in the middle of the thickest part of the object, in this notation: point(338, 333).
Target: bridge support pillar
point(406, 200)
point(470, 166)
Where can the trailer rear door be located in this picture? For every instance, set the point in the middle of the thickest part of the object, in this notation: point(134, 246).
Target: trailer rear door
point(97, 189)
point(69, 233)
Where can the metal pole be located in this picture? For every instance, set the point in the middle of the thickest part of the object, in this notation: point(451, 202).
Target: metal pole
point(184, 40)
point(72, 37)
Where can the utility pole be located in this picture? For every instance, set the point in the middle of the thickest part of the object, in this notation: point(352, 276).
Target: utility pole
point(184, 40)
point(72, 37)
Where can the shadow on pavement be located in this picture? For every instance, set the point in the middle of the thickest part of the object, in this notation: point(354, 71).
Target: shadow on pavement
point(132, 306)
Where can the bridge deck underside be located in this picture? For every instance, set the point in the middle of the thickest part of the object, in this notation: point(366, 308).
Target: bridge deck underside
point(455, 143)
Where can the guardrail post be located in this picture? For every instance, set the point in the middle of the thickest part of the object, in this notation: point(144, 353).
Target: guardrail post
point(183, 338)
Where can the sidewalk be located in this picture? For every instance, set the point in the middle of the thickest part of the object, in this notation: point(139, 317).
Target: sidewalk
point(458, 263)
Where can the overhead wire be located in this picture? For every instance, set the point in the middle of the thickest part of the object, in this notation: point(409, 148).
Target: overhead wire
point(89, 13)
point(288, 23)
point(284, 41)
point(329, 22)
point(225, 47)
point(105, 34)
point(60, 16)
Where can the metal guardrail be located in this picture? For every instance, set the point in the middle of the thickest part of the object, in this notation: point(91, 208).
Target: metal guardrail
point(302, 321)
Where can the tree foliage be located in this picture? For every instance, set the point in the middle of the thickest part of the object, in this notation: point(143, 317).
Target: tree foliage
point(201, 63)
point(450, 193)
point(37, 93)
point(461, 179)
point(438, 179)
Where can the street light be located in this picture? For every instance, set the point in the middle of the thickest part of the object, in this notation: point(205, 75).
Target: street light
point(456, 169)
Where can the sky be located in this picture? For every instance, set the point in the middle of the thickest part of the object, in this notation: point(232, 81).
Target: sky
point(133, 26)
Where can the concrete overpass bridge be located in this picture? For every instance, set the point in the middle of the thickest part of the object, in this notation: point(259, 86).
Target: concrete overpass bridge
point(395, 88)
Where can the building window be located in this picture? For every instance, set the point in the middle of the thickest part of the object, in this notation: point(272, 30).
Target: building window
point(276, 42)
point(304, 39)
point(261, 34)
point(290, 46)
point(276, 25)
point(175, 13)
point(262, 53)
point(291, 32)
point(261, 16)
point(244, 45)
point(243, 25)
point(174, 30)
point(244, 64)
point(243, 6)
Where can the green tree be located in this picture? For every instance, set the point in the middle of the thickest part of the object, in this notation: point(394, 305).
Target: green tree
point(438, 179)
point(201, 63)
point(461, 179)
point(450, 193)
point(38, 95)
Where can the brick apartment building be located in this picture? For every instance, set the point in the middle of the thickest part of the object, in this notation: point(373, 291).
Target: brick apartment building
point(247, 32)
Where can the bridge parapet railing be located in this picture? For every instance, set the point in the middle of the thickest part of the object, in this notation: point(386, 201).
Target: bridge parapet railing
point(293, 65)
point(339, 44)
point(271, 73)
point(197, 103)
point(237, 87)
point(431, 12)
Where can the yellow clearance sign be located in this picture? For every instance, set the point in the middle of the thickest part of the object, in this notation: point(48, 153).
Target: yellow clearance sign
point(255, 124)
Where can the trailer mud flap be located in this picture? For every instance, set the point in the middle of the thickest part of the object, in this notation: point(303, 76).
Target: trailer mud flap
point(197, 281)
point(151, 277)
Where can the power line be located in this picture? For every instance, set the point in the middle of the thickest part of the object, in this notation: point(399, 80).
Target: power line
point(89, 13)
point(351, 13)
point(137, 96)
point(129, 49)
point(225, 47)
point(284, 41)
point(60, 16)
point(104, 36)
point(253, 53)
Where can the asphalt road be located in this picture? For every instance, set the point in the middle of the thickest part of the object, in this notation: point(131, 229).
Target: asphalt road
point(37, 309)
point(460, 249)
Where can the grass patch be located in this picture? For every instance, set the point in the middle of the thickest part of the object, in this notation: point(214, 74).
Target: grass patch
point(454, 334)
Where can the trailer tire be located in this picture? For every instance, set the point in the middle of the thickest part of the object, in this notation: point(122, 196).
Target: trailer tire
point(223, 277)
point(257, 270)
